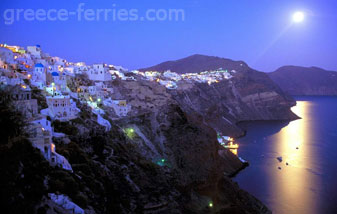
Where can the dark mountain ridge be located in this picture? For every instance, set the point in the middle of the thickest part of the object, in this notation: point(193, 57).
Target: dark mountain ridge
point(296, 80)
point(195, 64)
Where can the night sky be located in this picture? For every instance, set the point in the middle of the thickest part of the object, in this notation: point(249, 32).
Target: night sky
point(258, 32)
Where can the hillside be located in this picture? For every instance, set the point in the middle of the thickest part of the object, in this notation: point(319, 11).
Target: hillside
point(296, 80)
point(162, 156)
point(196, 63)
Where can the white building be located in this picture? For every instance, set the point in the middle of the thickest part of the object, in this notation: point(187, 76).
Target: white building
point(172, 75)
point(102, 90)
point(61, 107)
point(60, 80)
point(80, 68)
point(42, 139)
point(70, 71)
point(120, 107)
point(35, 51)
point(21, 97)
point(46, 124)
point(39, 75)
point(57, 61)
point(99, 72)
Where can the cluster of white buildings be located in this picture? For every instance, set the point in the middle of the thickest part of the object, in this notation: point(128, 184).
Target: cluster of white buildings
point(39, 129)
point(23, 69)
point(170, 79)
point(27, 74)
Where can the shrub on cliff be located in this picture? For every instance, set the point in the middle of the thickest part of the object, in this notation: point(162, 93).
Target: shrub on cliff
point(64, 127)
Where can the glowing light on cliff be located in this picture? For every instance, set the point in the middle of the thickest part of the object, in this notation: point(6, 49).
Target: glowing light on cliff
point(130, 132)
point(234, 151)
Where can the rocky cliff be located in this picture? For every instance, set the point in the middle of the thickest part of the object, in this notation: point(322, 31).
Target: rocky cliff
point(296, 80)
point(163, 158)
point(248, 95)
point(158, 161)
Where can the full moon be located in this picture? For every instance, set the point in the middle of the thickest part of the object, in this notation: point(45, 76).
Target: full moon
point(298, 16)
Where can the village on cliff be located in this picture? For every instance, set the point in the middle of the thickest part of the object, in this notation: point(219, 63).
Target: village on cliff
point(64, 85)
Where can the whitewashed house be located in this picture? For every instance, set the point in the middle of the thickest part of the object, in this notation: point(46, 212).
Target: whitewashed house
point(80, 68)
point(60, 80)
point(42, 120)
point(39, 76)
point(57, 61)
point(83, 93)
point(70, 71)
point(120, 107)
point(35, 51)
point(42, 139)
point(21, 97)
point(61, 107)
point(99, 72)
point(102, 90)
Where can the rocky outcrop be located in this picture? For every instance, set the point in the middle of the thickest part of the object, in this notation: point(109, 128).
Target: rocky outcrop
point(170, 163)
point(296, 80)
point(249, 95)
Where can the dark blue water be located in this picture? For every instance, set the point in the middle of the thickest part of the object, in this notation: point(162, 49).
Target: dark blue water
point(308, 184)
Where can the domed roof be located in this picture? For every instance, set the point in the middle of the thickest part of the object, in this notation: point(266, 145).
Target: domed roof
point(39, 65)
point(54, 74)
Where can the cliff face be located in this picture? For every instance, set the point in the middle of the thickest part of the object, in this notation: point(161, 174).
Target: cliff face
point(169, 163)
point(164, 157)
point(296, 80)
point(249, 95)
point(159, 161)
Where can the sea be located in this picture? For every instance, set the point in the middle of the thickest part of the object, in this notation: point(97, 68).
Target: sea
point(293, 164)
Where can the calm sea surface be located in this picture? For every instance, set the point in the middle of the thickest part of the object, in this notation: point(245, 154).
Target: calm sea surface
point(308, 184)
